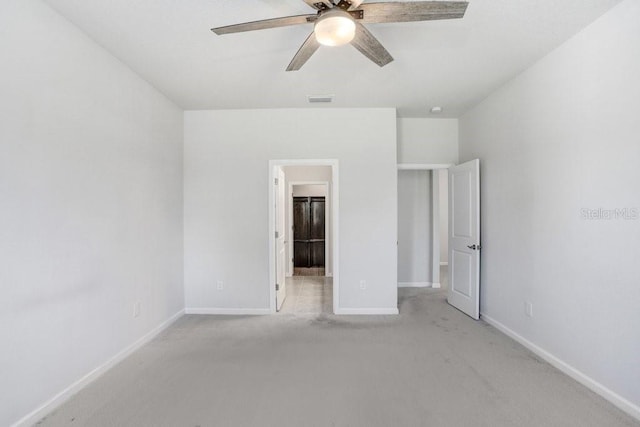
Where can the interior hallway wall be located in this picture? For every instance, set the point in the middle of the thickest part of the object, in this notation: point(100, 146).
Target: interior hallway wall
point(556, 145)
point(227, 157)
point(91, 207)
point(310, 190)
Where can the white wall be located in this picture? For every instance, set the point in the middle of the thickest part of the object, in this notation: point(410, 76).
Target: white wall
point(227, 155)
point(430, 141)
point(415, 236)
point(307, 174)
point(444, 214)
point(310, 190)
point(427, 140)
point(561, 137)
point(90, 207)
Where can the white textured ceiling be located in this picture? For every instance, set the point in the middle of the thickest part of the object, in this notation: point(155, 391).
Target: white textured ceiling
point(453, 64)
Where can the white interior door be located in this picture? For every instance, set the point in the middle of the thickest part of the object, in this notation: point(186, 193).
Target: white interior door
point(281, 289)
point(464, 238)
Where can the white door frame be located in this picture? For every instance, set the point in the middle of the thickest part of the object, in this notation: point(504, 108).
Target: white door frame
point(326, 222)
point(435, 212)
point(280, 241)
point(334, 194)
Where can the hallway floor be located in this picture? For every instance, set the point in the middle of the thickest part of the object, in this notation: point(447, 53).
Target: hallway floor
point(312, 271)
point(308, 295)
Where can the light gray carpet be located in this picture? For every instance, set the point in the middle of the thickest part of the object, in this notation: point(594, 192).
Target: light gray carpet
point(430, 366)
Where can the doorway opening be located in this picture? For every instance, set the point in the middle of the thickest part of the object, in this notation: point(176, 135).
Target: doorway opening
point(421, 207)
point(303, 236)
point(423, 225)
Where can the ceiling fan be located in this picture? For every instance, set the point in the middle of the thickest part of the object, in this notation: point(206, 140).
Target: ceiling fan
point(340, 23)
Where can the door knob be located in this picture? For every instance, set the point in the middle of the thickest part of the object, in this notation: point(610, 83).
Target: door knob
point(474, 247)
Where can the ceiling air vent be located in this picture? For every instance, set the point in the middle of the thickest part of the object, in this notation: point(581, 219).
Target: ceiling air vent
point(318, 99)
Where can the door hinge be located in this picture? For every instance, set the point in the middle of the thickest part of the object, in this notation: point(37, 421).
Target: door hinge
point(277, 234)
point(276, 181)
point(277, 287)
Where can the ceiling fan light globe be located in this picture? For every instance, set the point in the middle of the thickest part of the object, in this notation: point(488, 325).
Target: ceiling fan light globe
point(335, 28)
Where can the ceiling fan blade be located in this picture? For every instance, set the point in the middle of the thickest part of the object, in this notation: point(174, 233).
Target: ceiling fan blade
point(265, 23)
point(412, 11)
point(348, 5)
point(307, 49)
point(370, 47)
point(319, 4)
point(355, 4)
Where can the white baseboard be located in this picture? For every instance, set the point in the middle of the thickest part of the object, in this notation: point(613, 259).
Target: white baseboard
point(329, 274)
point(444, 263)
point(415, 284)
point(229, 311)
point(35, 416)
point(367, 311)
point(436, 285)
point(619, 401)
